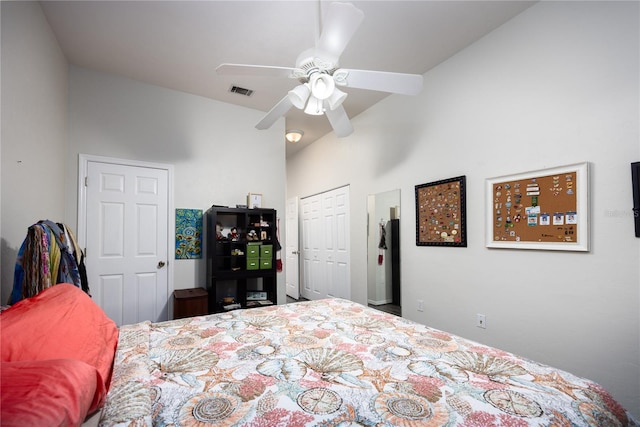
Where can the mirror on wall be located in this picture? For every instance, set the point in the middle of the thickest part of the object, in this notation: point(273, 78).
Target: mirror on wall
point(383, 251)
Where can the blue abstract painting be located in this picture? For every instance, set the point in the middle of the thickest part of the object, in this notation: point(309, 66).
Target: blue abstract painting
point(188, 233)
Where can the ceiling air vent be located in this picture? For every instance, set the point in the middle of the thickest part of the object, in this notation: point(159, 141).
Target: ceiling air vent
point(241, 91)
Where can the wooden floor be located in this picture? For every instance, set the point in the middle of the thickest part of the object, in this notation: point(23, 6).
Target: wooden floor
point(387, 308)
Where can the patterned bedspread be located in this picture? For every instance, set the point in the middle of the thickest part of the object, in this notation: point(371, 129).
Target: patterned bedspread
point(335, 362)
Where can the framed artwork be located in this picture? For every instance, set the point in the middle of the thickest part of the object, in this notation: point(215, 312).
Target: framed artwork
point(545, 209)
point(254, 200)
point(441, 217)
point(188, 233)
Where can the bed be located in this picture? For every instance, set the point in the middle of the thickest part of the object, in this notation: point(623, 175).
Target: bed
point(334, 362)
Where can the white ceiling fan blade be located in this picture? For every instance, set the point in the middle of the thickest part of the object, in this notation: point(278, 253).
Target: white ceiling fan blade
point(404, 84)
point(340, 24)
point(339, 121)
point(254, 70)
point(279, 110)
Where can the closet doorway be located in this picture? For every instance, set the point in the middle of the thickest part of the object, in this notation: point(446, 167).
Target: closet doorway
point(383, 251)
point(325, 269)
point(123, 224)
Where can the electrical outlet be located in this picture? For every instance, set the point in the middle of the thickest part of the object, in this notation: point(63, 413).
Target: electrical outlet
point(481, 321)
point(420, 305)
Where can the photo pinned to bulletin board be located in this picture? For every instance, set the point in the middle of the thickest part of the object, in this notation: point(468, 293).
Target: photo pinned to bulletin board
point(441, 218)
point(546, 209)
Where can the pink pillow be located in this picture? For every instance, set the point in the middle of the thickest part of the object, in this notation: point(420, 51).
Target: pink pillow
point(48, 393)
point(61, 322)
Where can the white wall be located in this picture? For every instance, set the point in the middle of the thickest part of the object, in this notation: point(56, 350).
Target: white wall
point(556, 85)
point(34, 129)
point(52, 112)
point(218, 155)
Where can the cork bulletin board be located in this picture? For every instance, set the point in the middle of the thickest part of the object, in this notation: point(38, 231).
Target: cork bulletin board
point(545, 209)
point(441, 213)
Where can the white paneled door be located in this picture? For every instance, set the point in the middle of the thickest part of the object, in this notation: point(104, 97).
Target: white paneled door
point(126, 226)
point(292, 266)
point(312, 274)
point(325, 248)
point(335, 227)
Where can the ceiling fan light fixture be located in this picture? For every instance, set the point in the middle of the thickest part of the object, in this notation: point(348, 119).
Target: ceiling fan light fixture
point(314, 106)
point(318, 73)
point(322, 85)
point(294, 135)
point(299, 95)
point(336, 98)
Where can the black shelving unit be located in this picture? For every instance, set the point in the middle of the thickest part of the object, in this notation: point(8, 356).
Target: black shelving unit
point(241, 267)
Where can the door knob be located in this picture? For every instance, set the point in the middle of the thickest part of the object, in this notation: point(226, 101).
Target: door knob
point(295, 252)
point(161, 264)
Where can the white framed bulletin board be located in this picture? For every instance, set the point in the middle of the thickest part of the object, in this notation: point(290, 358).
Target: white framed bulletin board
point(546, 209)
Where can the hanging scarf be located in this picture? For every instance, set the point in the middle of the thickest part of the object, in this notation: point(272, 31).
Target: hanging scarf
point(45, 258)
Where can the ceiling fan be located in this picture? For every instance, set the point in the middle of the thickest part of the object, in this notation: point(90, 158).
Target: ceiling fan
point(319, 74)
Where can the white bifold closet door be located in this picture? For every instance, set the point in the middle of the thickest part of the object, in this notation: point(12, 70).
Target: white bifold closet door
point(325, 249)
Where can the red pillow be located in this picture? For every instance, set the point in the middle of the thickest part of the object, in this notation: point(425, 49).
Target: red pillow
point(61, 322)
point(48, 393)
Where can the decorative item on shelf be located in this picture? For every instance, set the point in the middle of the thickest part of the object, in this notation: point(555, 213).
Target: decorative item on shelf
point(254, 200)
point(252, 235)
point(256, 296)
point(219, 235)
point(233, 235)
point(251, 304)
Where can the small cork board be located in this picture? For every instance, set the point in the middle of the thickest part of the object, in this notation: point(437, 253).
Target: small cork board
point(441, 213)
point(544, 209)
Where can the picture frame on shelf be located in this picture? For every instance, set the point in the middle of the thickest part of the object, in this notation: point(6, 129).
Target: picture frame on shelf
point(254, 201)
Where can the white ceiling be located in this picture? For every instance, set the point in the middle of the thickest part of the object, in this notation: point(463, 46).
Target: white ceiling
point(179, 44)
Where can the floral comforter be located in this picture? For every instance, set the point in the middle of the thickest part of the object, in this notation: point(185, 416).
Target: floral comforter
point(334, 362)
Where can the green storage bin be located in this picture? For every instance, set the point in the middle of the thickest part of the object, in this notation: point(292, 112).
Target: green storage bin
point(253, 250)
point(266, 251)
point(253, 264)
point(265, 263)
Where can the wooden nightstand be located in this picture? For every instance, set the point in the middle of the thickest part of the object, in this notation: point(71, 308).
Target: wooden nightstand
point(190, 302)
